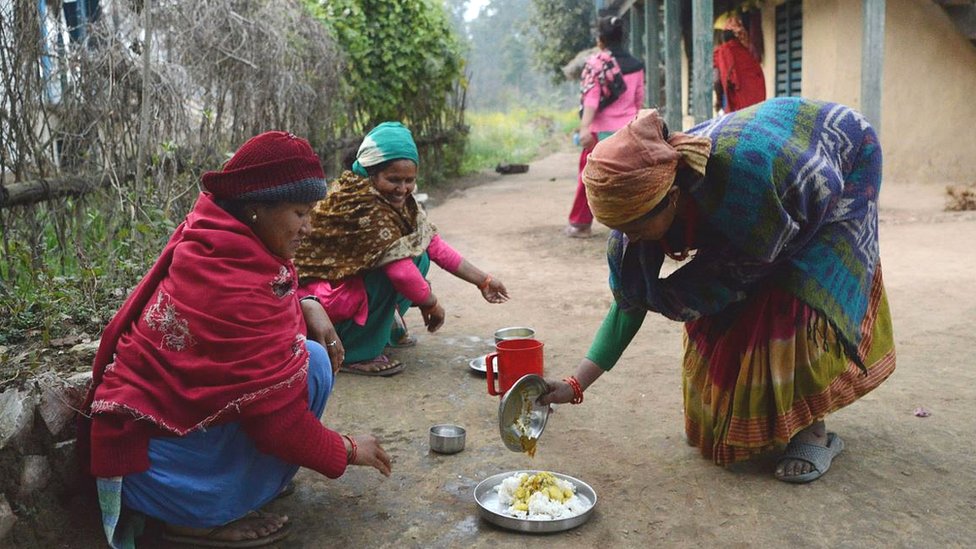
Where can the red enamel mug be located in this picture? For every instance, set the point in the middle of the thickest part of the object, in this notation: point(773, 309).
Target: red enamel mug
point(512, 359)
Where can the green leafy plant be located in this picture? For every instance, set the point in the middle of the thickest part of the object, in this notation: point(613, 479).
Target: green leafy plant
point(403, 59)
point(50, 291)
point(564, 29)
point(515, 136)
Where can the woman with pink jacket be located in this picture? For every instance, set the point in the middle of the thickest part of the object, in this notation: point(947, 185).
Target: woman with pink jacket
point(611, 93)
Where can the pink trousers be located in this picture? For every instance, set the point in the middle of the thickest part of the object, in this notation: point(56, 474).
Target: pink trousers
point(580, 215)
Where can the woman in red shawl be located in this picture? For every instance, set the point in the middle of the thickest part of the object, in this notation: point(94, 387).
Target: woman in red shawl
point(739, 79)
point(206, 394)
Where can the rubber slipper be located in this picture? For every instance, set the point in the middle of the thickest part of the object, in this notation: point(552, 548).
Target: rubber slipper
point(386, 367)
point(208, 539)
point(577, 232)
point(406, 340)
point(819, 456)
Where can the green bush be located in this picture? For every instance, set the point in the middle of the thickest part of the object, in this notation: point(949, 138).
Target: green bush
point(53, 291)
point(403, 59)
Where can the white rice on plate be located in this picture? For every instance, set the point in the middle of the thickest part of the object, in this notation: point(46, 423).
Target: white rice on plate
point(543, 497)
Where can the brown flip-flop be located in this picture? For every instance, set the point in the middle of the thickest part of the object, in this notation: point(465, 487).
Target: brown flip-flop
point(387, 367)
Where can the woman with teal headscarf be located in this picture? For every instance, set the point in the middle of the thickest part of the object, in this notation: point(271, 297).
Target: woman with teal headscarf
point(369, 252)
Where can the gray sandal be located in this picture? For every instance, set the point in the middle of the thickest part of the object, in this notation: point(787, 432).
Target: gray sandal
point(819, 456)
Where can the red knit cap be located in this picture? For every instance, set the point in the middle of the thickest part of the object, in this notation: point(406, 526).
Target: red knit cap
point(273, 166)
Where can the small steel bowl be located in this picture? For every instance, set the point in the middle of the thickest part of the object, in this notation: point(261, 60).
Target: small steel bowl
point(447, 438)
point(515, 332)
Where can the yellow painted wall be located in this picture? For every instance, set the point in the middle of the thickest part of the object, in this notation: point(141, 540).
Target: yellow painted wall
point(928, 120)
point(928, 108)
point(832, 52)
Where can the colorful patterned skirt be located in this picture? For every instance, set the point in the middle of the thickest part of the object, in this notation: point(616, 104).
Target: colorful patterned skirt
point(755, 376)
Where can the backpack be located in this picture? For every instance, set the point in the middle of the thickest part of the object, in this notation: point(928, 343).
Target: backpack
point(602, 70)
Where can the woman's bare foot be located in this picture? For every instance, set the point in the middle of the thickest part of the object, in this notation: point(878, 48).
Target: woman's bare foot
point(815, 434)
point(256, 526)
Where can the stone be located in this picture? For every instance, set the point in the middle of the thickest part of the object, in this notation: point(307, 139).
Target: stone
point(16, 416)
point(64, 464)
point(85, 351)
point(60, 400)
point(7, 518)
point(79, 382)
point(34, 475)
point(55, 406)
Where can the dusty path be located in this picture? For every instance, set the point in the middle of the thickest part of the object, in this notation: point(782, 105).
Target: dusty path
point(903, 481)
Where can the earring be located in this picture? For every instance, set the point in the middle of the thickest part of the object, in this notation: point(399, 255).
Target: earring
point(254, 217)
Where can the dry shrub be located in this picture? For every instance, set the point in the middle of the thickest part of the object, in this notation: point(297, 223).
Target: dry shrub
point(219, 72)
point(961, 197)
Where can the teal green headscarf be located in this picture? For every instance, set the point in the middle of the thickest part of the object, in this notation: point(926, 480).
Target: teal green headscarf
point(388, 141)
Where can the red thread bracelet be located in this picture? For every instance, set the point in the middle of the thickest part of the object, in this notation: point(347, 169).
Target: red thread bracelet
point(351, 458)
point(484, 285)
point(577, 389)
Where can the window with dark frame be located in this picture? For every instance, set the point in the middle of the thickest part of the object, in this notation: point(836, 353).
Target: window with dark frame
point(789, 48)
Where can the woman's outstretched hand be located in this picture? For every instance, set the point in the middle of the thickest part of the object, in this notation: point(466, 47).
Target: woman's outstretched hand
point(494, 291)
point(433, 316)
point(561, 392)
point(321, 329)
point(558, 392)
point(370, 453)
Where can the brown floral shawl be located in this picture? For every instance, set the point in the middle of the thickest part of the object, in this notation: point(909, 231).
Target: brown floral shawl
point(354, 229)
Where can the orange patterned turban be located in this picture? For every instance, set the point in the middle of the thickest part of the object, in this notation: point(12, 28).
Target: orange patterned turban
point(630, 172)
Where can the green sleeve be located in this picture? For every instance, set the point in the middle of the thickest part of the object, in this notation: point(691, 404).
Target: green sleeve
point(618, 328)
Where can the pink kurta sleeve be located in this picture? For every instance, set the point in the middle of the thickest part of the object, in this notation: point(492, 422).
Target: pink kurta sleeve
point(407, 280)
point(444, 255)
point(342, 299)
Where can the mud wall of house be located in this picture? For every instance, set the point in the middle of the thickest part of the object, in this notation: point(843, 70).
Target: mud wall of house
point(929, 82)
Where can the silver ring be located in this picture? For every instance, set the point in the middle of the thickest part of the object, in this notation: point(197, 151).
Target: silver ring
point(332, 343)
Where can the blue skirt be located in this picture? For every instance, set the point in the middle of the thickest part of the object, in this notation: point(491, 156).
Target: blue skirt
point(211, 477)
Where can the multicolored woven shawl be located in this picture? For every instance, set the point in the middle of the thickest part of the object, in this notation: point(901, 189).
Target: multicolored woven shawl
point(791, 187)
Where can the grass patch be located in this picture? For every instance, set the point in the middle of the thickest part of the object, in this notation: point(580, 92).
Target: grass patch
point(515, 137)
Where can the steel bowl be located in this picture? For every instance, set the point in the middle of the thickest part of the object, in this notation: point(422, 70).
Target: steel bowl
point(447, 438)
point(514, 332)
point(486, 496)
point(519, 413)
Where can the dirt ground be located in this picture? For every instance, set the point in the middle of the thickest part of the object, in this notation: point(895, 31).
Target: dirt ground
point(903, 481)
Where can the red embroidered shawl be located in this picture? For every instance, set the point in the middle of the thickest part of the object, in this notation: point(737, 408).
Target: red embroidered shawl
point(213, 332)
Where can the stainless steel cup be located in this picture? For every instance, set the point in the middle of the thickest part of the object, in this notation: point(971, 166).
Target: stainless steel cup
point(447, 438)
point(514, 332)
